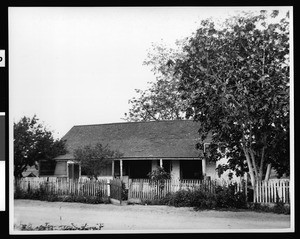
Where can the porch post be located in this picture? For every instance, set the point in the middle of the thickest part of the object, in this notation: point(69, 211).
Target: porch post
point(113, 168)
point(67, 165)
point(160, 163)
point(204, 167)
point(121, 169)
point(79, 170)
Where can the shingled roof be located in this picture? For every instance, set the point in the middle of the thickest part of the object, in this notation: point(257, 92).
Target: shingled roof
point(154, 139)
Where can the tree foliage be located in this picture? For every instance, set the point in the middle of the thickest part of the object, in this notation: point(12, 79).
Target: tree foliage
point(159, 174)
point(95, 158)
point(33, 142)
point(236, 78)
point(161, 101)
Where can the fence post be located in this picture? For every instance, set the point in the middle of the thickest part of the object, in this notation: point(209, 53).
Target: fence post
point(108, 187)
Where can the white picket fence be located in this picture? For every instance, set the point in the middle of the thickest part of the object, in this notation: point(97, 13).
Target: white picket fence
point(64, 186)
point(146, 189)
point(272, 190)
point(265, 191)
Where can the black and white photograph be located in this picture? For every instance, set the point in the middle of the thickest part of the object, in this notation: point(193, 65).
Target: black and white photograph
point(151, 120)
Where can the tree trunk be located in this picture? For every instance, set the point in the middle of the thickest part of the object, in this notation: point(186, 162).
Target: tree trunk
point(268, 172)
point(251, 173)
point(254, 163)
point(262, 163)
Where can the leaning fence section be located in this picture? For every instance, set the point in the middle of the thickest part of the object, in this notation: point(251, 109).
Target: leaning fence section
point(64, 186)
point(272, 191)
point(116, 189)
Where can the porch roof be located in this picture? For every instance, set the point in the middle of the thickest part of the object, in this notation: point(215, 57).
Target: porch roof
point(143, 140)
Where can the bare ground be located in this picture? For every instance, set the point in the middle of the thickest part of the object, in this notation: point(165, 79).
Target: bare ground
point(139, 217)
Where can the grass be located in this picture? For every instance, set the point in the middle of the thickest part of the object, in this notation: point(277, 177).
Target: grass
point(49, 227)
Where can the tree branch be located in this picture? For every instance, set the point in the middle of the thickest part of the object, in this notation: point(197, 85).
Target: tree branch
point(253, 162)
point(252, 176)
point(268, 172)
point(262, 163)
point(148, 112)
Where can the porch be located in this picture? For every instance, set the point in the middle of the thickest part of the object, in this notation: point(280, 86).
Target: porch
point(178, 168)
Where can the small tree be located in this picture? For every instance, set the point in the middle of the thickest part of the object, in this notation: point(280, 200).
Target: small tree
point(159, 175)
point(33, 142)
point(95, 158)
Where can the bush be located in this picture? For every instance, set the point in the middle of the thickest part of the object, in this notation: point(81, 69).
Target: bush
point(186, 198)
point(223, 197)
point(181, 198)
point(226, 197)
point(281, 208)
point(203, 200)
point(83, 199)
point(124, 194)
point(19, 193)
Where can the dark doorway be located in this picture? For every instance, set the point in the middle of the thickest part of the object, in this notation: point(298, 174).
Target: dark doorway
point(71, 170)
point(76, 171)
point(166, 165)
point(139, 168)
point(191, 169)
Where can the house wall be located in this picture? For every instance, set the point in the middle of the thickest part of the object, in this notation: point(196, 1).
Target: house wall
point(153, 164)
point(60, 168)
point(175, 169)
point(211, 170)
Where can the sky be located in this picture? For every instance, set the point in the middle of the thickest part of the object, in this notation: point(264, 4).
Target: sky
point(78, 66)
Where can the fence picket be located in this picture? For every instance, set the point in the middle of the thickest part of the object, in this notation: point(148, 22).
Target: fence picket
point(265, 192)
point(62, 187)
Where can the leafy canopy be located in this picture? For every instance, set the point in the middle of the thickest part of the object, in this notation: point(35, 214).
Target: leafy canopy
point(236, 79)
point(33, 142)
point(161, 100)
point(95, 158)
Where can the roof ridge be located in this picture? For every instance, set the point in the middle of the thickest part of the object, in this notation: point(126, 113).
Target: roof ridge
point(134, 122)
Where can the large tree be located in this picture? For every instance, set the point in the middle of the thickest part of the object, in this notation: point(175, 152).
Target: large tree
point(33, 142)
point(161, 100)
point(95, 158)
point(236, 78)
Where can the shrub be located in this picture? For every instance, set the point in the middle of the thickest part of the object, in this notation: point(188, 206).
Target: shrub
point(203, 200)
point(223, 197)
point(83, 199)
point(181, 198)
point(258, 207)
point(226, 197)
point(159, 174)
point(124, 194)
point(281, 208)
point(19, 193)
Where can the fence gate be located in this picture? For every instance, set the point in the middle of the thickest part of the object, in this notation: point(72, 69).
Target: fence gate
point(116, 189)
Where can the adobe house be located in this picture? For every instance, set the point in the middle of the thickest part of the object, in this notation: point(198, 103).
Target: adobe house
point(60, 168)
point(144, 146)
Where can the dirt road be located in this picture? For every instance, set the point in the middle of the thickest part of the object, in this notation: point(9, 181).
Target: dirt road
point(139, 217)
